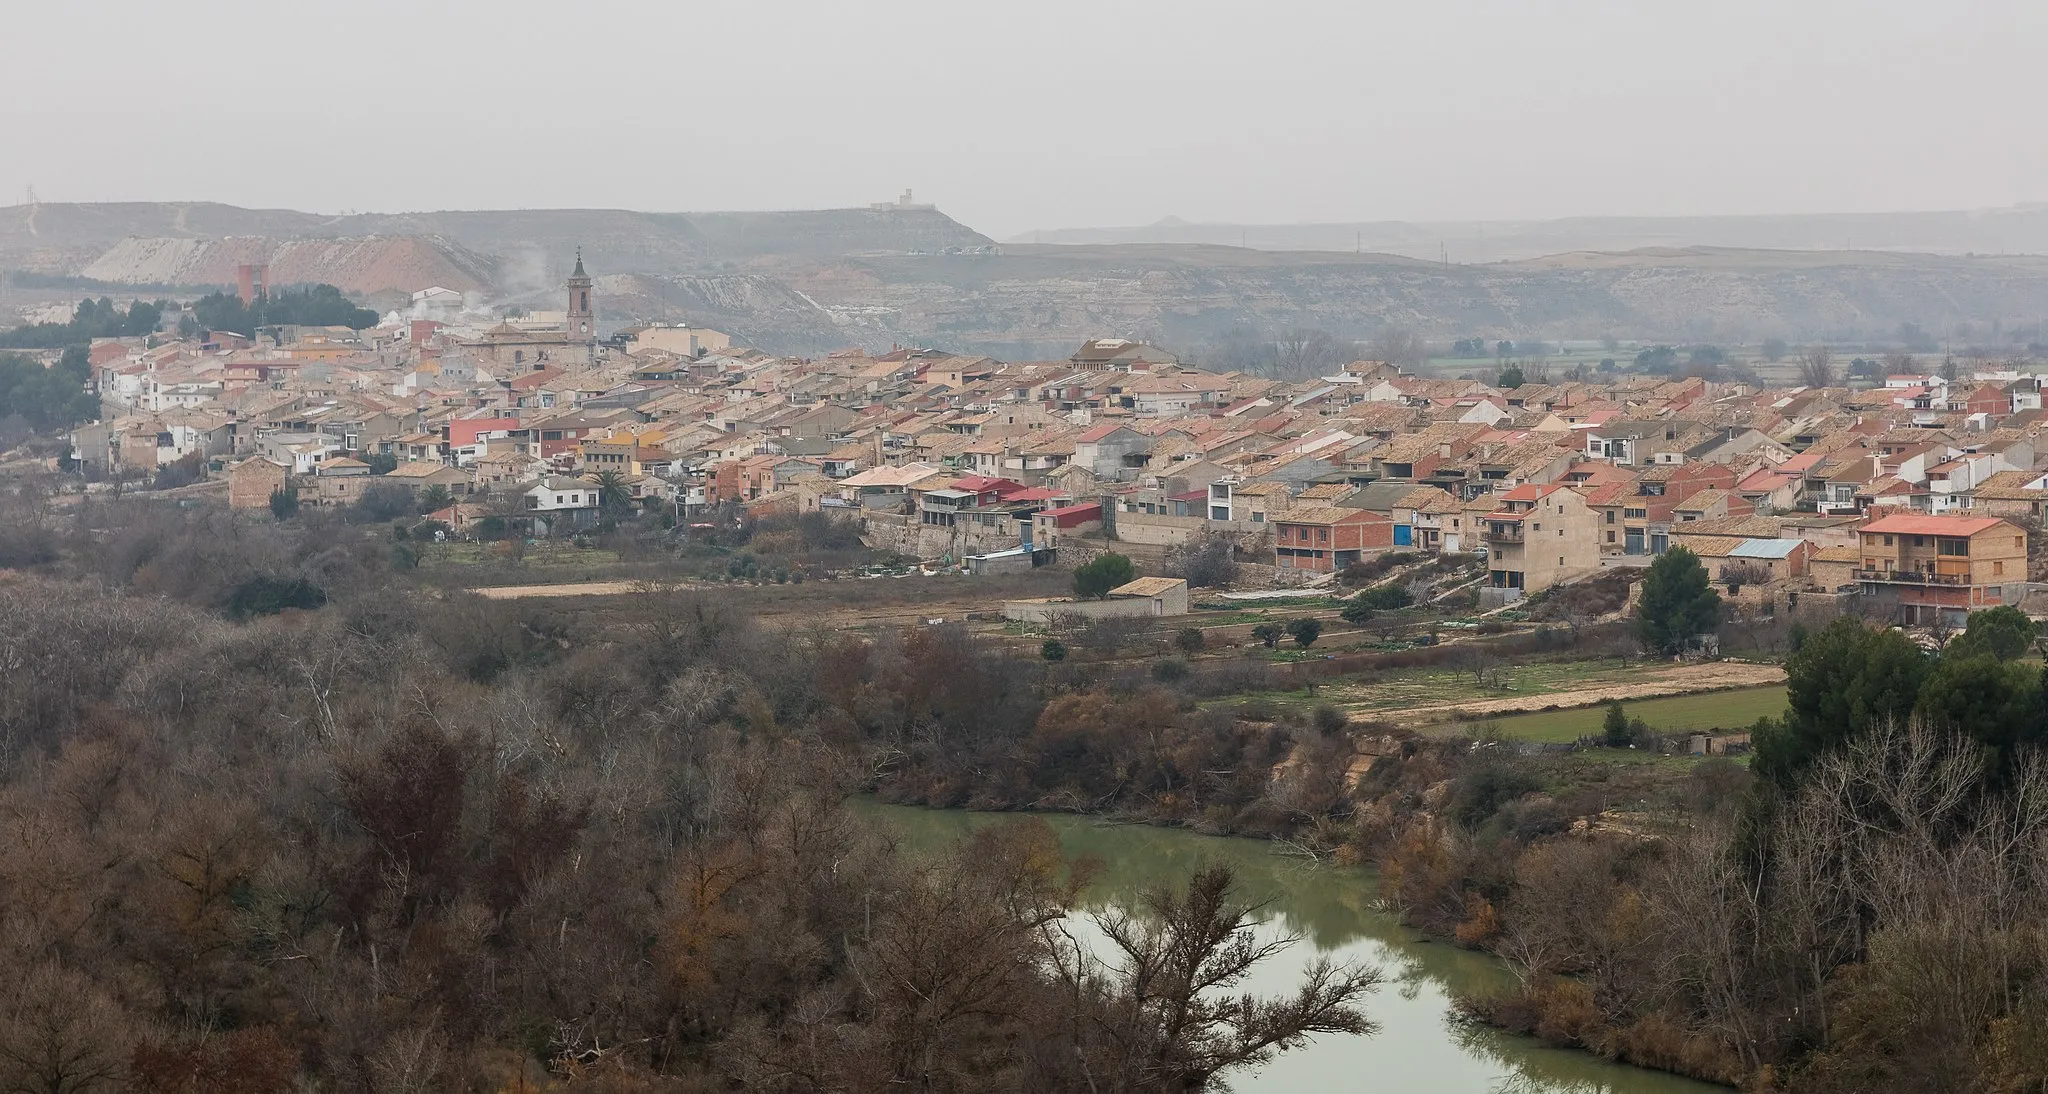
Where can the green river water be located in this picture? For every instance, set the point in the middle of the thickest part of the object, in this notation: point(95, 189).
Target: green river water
point(1419, 1046)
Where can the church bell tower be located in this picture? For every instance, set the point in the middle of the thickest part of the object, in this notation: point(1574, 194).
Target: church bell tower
point(582, 321)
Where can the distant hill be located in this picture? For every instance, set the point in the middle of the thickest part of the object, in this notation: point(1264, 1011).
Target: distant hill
point(810, 281)
point(2015, 230)
point(524, 249)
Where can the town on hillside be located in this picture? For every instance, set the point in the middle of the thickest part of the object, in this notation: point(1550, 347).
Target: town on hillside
point(1914, 496)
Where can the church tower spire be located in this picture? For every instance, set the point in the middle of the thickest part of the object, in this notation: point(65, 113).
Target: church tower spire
point(582, 320)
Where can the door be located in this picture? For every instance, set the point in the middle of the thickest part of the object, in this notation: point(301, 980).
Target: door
point(1404, 535)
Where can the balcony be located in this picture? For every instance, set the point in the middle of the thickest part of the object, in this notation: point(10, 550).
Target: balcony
point(1912, 577)
point(1501, 532)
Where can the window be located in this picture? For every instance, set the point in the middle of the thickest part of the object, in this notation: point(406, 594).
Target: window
point(1322, 535)
point(1636, 514)
point(1610, 537)
point(1887, 541)
point(1610, 520)
point(1953, 546)
point(1998, 569)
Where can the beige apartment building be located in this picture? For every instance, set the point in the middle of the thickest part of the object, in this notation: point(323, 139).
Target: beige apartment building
point(1539, 535)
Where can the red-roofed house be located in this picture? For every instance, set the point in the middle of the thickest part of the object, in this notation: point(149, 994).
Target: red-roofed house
point(1933, 566)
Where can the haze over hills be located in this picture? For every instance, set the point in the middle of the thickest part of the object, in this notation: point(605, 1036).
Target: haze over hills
point(812, 281)
point(2019, 229)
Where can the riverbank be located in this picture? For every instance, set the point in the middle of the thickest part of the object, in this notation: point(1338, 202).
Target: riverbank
point(1334, 911)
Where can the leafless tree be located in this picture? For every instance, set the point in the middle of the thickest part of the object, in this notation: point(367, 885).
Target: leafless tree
point(1817, 366)
point(1307, 351)
point(1398, 346)
point(1170, 1017)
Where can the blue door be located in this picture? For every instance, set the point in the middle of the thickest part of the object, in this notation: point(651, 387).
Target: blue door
point(1404, 535)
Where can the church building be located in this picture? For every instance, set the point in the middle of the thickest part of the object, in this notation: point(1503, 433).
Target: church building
point(516, 348)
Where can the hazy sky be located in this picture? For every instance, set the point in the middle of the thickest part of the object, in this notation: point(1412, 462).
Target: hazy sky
point(1052, 114)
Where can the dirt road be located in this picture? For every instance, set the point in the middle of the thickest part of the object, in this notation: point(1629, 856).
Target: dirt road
point(1652, 683)
point(584, 588)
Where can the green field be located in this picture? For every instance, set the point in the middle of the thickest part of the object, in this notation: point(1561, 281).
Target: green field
point(1735, 709)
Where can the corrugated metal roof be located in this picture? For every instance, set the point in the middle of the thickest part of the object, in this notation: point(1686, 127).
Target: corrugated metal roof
point(1765, 548)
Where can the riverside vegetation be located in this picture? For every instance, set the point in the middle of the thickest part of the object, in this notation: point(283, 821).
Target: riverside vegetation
point(412, 839)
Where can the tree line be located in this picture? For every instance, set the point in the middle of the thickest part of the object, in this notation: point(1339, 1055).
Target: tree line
point(92, 319)
point(312, 306)
point(280, 820)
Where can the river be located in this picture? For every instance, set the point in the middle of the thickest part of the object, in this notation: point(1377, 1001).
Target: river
point(1419, 1046)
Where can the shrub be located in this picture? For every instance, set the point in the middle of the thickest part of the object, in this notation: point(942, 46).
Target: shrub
point(1329, 719)
point(381, 503)
point(1190, 640)
point(271, 595)
point(1614, 729)
point(1269, 633)
point(1169, 670)
point(1367, 571)
point(1093, 580)
point(1306, 630)
point(1481, 794)
point(1355, 612)
point(185, 471)
point(1386, 597)
point(1205, 561)
point(284, 502)
point(1053, 650)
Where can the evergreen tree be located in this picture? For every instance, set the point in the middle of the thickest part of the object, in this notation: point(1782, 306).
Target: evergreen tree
point(1843, 681)
point(1678, 602)
point(1093, 580)
point(1614, 729)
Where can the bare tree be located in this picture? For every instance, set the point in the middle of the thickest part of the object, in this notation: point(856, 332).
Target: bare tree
point(1817, 366)
point(1307, 351)
point(1398, 346)
point(1170, 1018)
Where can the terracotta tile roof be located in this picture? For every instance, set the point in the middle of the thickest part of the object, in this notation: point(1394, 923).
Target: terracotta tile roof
point(1915, 525)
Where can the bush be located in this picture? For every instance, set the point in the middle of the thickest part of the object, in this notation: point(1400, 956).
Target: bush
point(1093, 580)
point(271, 595)
point(1329, 719)
point(1053, 650)
point(1355, 612)
point(1169, 670)
point(1614, 729)
point(1190, 640)
point(1367, 571)
point(1269, 633)
point(381, 503)
point(284, 502)
point(1306, 630)
point(1386, 598)
point(1205, 561)
point(1478, 796)
point(185, 471)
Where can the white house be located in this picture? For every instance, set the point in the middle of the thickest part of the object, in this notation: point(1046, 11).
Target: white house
point(558, 502)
